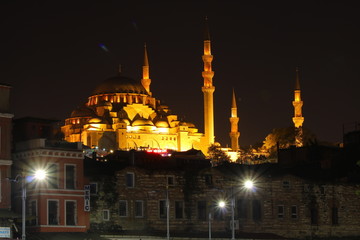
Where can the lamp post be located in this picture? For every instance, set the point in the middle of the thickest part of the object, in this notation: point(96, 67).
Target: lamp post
point(38, 175)
point(167, 213)
point(209, 225)
point(248, 185)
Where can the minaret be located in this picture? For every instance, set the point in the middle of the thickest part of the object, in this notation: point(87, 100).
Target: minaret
point(208, 89)
point(298, 118)
point(234, 120)
point(146, 81)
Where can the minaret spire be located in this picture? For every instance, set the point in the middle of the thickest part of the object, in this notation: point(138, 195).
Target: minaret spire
point(146, 81)
point(208, 89)
point(234, 120)
point(298, 118)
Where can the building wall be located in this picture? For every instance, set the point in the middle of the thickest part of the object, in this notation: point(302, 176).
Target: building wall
point(5, 146)
point(258, 210)
point(42, 154)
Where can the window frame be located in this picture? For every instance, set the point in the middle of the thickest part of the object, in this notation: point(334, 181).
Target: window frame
point(57, 212)
point(142, 209)
point(65, 176)
point(126, 209)
point(75, 212)
point(132, 179)
point(107, 211)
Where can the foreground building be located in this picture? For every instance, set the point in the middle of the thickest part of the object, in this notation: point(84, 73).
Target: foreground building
point(305, 200)
point(57, 203)
point(6, 216)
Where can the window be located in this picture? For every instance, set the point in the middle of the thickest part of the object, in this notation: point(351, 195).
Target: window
point(179, 209)
point(123, 208)
point(334, 216)
point(294, 211)
point(53, 175)
point(53, 212)
point(313, 216)
point(70, 210)
point(106, 215)
point(170, 180)
point(162, 209)
point(286, 184)
point(130, 180)
point(208, 179)
point(70, 176)
point(242, 207)
point(201, 210)
point(256, 210)
point(280, 212)
point(93, 188)
point(33, 213)
point(139, 208)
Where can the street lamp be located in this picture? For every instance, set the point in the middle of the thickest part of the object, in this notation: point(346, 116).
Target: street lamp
point(222, 204)
point(248, 185)
point(38, 175)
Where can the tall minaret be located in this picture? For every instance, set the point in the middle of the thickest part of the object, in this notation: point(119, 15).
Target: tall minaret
point(298, 118)
point(146, 81)
point(234, 120)
point(208, 89)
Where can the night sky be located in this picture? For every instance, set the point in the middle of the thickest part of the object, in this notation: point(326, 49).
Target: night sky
point(54, 54)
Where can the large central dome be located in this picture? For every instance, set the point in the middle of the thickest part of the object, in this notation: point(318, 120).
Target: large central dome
point(120, 84)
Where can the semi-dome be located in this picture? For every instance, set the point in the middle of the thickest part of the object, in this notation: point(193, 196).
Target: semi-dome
point(82, 111)
point(143, 122)
point(119, 84)
point(161, 124)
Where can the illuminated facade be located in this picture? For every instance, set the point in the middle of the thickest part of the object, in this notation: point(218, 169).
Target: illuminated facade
point(122, 114)
point(234, 130)
point(298, 118)
point(208, 89)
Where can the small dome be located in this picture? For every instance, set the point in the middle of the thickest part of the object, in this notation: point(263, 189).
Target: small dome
point(82, 112)
point(182, 124)
point(95, 120)
point(143, 122)
point(120, 84)
point(190, 125)
point(161, 124)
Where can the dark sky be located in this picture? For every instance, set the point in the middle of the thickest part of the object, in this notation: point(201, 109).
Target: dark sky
point(51, 56)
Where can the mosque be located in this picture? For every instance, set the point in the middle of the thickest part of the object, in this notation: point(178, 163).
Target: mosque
point(123, 114)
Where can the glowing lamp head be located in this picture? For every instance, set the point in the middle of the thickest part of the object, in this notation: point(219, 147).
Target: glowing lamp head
point(249, 184)
point(222, 204)
point(40, 174)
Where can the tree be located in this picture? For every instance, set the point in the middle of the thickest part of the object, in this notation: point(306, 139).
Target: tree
point(217, 155)
point(284, 138)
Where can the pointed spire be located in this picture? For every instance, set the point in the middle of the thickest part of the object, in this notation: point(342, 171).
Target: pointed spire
point(206, 30)
point(233, 105)
point(146, 61)
point(297, 83)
